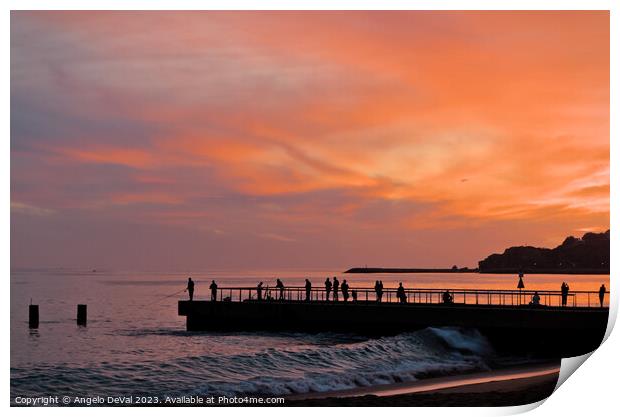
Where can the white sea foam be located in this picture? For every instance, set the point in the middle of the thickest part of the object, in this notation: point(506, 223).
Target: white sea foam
point(401, 358)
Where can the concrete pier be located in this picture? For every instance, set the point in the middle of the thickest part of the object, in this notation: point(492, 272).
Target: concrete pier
point(550, 331)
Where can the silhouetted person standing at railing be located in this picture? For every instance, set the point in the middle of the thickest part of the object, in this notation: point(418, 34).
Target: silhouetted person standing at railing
point(280, 286)
point(377, 291)
point(259, 291)
point(565, 288)
point(380, 291)
point(345, 290)
point(447, 297)
point(328, 288)
point(601, 294)
point(213, 288)
point(336, 288)
point(190, 288)
point(354, 295)
point(308, 289)
point(520, 286)
point(400, 293)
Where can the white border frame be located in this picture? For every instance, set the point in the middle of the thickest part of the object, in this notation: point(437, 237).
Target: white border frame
point(590, 391)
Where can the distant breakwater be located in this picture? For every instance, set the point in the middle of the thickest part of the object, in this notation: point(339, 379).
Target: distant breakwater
point(406, 270)
point(566, 271)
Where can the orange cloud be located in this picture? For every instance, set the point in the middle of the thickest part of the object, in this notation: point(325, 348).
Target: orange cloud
point(312, 120)
point(145, 197)
point(133, 158)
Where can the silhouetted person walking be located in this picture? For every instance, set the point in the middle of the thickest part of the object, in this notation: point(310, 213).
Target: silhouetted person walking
point(565, 288)
point(336, 288)
point(400, 293)
point(213, 288)
point(259, 291)
point(308, 289)
point(601, 294)
point(190, 288)
point(280, 286)
point(328, 288)
point(345, 290)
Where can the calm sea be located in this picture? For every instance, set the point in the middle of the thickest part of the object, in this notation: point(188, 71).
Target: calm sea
point(135, 344)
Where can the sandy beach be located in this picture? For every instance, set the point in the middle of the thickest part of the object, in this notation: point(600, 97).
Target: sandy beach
point(515, 386)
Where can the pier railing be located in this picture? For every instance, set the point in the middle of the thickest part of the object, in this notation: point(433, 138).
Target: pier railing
point(415, 295)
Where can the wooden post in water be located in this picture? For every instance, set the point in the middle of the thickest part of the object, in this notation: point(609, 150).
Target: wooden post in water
point(81, 314)
point(33, 316)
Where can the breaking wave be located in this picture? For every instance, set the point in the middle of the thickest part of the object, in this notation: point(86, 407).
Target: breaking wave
point(239, 364)
point(405, 357)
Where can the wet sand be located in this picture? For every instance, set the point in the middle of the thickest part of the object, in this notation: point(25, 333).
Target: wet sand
point(518, 386)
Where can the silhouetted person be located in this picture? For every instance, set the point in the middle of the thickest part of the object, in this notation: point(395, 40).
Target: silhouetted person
point(213, 288)
point(377, 291)
point(565, 288)
point(280, 286)
point(601, 294)
point(520, 285)
point(535, 299)
point(328, 288)
point(400, 293)
point(336, 288)
point(308, 289)
point(380, 291)
point(190, 289)
point(345, 290)
point(447, 297)
point(354, 295)
point(259, 291)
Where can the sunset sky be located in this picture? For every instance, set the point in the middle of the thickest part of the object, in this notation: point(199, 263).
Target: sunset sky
point(180, 140)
